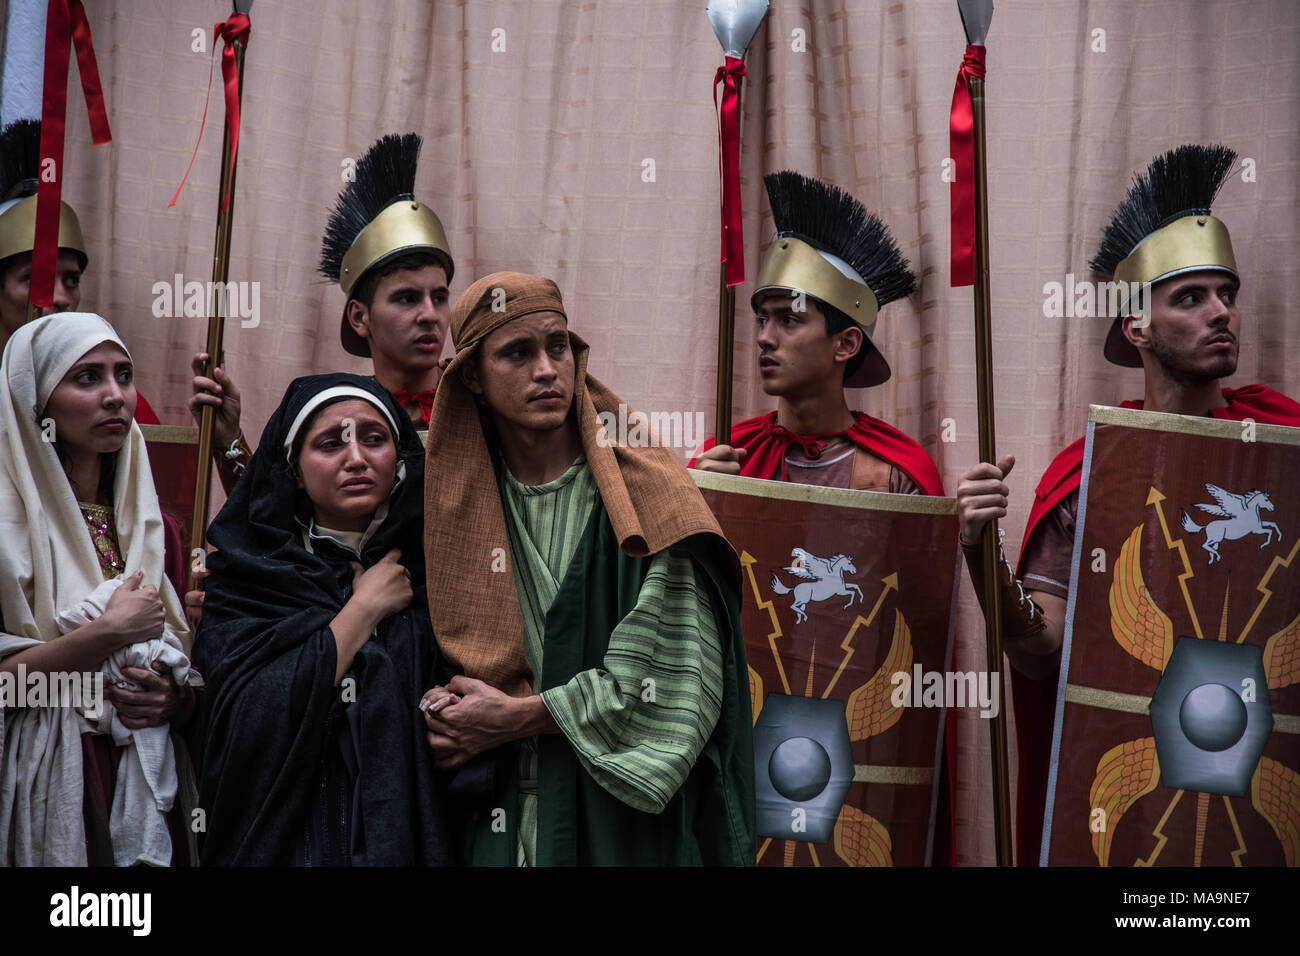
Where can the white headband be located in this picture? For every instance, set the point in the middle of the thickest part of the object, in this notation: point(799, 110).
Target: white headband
point(320, 398)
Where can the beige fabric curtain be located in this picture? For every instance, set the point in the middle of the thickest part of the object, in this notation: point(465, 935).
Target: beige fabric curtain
point(578, 140)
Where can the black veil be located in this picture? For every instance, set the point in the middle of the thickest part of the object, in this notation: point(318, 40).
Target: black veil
point(276, 729)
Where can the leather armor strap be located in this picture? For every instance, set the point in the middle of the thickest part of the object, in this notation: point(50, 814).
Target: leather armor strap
point(1021, 617)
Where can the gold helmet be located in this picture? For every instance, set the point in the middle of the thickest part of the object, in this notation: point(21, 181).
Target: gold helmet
point(1163, 228)
point(829, 247)
point(20, 150)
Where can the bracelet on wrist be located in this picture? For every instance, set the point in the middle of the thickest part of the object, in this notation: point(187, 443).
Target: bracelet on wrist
point(236, 457)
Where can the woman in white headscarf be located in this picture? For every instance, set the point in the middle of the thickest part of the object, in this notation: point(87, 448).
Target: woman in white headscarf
point(85, 606)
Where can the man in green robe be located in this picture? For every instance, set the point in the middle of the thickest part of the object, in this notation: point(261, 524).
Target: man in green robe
point(588, 595)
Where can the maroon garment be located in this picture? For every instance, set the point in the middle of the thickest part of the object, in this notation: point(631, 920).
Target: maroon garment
point(174, 554)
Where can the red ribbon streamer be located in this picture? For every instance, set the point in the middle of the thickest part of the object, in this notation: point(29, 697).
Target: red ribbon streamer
point(234, 30)
point(961, 130)
point(733, 237)
point(65, 20)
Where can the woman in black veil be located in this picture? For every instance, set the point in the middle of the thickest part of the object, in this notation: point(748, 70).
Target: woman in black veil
point(316, 644)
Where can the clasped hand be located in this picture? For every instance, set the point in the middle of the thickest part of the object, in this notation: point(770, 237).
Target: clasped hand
point(465, 718)
point(160, 700)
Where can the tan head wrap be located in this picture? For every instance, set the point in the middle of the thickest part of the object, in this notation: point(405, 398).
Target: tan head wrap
point(651, 501)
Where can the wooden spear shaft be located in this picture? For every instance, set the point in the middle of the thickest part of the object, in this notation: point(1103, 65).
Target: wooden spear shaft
point(726, 334)
point(988, 452)
point(216, 333)
point(726, 348)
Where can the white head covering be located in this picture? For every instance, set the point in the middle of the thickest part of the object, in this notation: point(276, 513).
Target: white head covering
point(48, 564)
point(48, 561)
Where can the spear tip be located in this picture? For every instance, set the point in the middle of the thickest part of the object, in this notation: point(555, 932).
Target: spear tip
point(735, 22)
point(975, 18)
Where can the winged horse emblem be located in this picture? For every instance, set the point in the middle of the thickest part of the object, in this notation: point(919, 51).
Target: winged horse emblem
point(1239, 516)
point(821, 578)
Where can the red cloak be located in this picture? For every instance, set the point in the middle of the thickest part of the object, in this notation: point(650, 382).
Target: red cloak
point(766, 442)
point(144, 413)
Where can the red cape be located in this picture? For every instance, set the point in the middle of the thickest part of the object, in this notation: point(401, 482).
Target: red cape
point(1035, 701)
point(767, 445)
point(144, 413)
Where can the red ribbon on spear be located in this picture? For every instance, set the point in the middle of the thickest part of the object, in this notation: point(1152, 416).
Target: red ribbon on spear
point(961, 141)
point(733, 235)
point(734, 23)
point(65, 22)
point(234, 30)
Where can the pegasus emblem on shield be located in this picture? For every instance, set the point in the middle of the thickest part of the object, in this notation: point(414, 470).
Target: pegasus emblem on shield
point(822, 578)
point(1239, 516)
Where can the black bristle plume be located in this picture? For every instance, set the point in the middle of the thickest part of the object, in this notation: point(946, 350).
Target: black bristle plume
point(833, 221)
point(20, 154)
point(384, 175)
point(1182, 182)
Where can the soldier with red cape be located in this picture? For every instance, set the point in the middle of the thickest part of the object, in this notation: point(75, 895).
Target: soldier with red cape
point(823, 280)
point(831, 268)
point(1181, 327)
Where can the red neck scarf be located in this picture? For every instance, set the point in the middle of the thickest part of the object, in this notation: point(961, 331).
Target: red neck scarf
point(767, 442)
point(424, 399)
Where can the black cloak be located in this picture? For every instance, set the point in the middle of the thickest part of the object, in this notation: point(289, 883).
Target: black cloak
point(297, 771)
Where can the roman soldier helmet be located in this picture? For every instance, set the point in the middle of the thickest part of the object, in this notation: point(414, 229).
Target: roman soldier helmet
point(1163, 228)
point(20, 160)
point(376, 219)
point(829, 247)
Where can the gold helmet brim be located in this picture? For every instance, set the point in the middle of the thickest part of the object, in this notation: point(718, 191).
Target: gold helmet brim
point(18, 230)
point(792, 266)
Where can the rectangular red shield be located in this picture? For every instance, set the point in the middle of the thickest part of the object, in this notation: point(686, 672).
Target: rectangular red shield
point(1177, 734)
point(846, 607)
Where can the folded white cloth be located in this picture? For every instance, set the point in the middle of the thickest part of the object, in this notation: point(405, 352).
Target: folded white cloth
point(146, 774)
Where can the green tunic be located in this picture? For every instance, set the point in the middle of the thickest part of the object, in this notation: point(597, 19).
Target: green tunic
point(641, 664)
